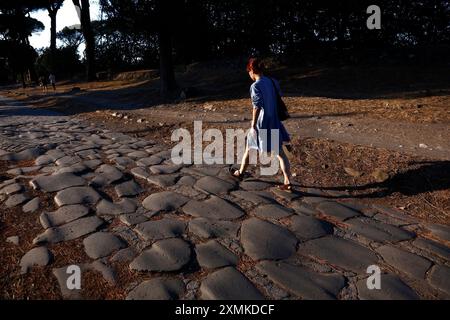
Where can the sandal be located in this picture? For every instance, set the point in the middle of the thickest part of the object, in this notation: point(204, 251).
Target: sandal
point(236, 174)
point(285, 187)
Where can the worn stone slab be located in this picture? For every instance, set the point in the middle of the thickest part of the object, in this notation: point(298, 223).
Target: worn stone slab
point(213, 208)
point(140, 172)
point(440, 231)
point(149, 161)
point(57, 182)
point(211, 228)
point(228, 284)
point(27, 154)
point(128, 189)
point(440, 278)
point(164, 201)
point(11, 189)
point(306, 227)
point(161, 229)
point(77, 195)
point(106, 174)
point(101, 244)
point(16, 200)
point(31, 206)
point(165, 168)
point(137, 154)
point(105, 207)
point(163, 180)
point(288, 196)
point(124, 255)
point(164, 255)
point(336, 210)
point(378, 231)
point(131, 219)
point(433, 247)
point(302, 282)
point(340, 252)
point(187, 181)
point(273, 211)
point(303, 208)
point(158, 289)
point(63, 215)
point(265, 240)
point(406, 262)
point(70, 231)
point(212, 255)
point(39, 256)
point(67, 161)
point(254, 185)
point(255, 197)
point(214, 185)
point(392, 288)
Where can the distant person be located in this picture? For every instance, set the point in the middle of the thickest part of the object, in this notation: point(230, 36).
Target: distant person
point(52, 80)
point(264, 95)
point(44, 84)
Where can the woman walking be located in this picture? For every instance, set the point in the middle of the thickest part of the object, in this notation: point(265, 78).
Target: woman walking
point(264, 93)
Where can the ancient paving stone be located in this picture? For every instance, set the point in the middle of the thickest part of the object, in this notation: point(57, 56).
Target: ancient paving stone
point(303, 208)
point(63, 215)
point(164, 255)
point(343, 253)
point(336, 210)
point(202, 171)
point(392, 288)
point(255, 197)
point(273, 211)
point(106, 271)
point(163, 180)
point(302, 282)
point(433, 247)
point(228, 284)
point(161, 229)
point(75, 169)
point(70, 231)
point(265, 240)
point(288, 196)
point(124, 255)
point(305, 227)
point(378, 231)
point(211, 228)
point(165, 169)
point(55, 154)
point(31, 206)
point(214, 185)
point(67, 161)
point(213, 208)
point(131, 219)
point(164, 201)
point(404, 261)
point(137, 154)
point(164, 154)
point(101, 244)
point(77, 195)
point(211, 255)
point(62, 276)
point(16, 199)
point(105, 207)
point(43, 160)
point(27, 154)
point(440, 278)
point(92, 164)
point(140, 172)
point(441, 231)
point(187, 181)
point(158, 289)
point(149, 161)
point(39, 256)
point(254, 185)
point(128, 189)
point(11, 189)
point(107, 174)
point(57, 182)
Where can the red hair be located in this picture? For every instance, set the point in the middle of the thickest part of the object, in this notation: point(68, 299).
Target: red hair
point(255, 65)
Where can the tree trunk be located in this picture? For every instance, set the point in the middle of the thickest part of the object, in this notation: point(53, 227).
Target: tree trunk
point(166, 71)
point(86, 28)
point(52, 14)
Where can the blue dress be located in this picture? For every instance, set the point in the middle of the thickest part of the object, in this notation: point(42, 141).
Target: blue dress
point(264, 98)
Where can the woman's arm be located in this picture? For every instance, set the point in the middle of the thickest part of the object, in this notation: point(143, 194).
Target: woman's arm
point(256, 112)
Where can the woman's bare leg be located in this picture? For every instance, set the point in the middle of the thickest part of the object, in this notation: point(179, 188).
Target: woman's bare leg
point(244, 162)
point(285, 166)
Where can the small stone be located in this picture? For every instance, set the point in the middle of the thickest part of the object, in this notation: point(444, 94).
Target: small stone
point(14, 240)
point(228, 284)
point(16, 199)
point(101, 244)
point(158, 289)
point(164, 255)
point(352, 172)
point(212, 255)
point(39, 256)
point(11, 189)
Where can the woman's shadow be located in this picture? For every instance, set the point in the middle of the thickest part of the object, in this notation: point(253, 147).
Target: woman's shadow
point(429, 176)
